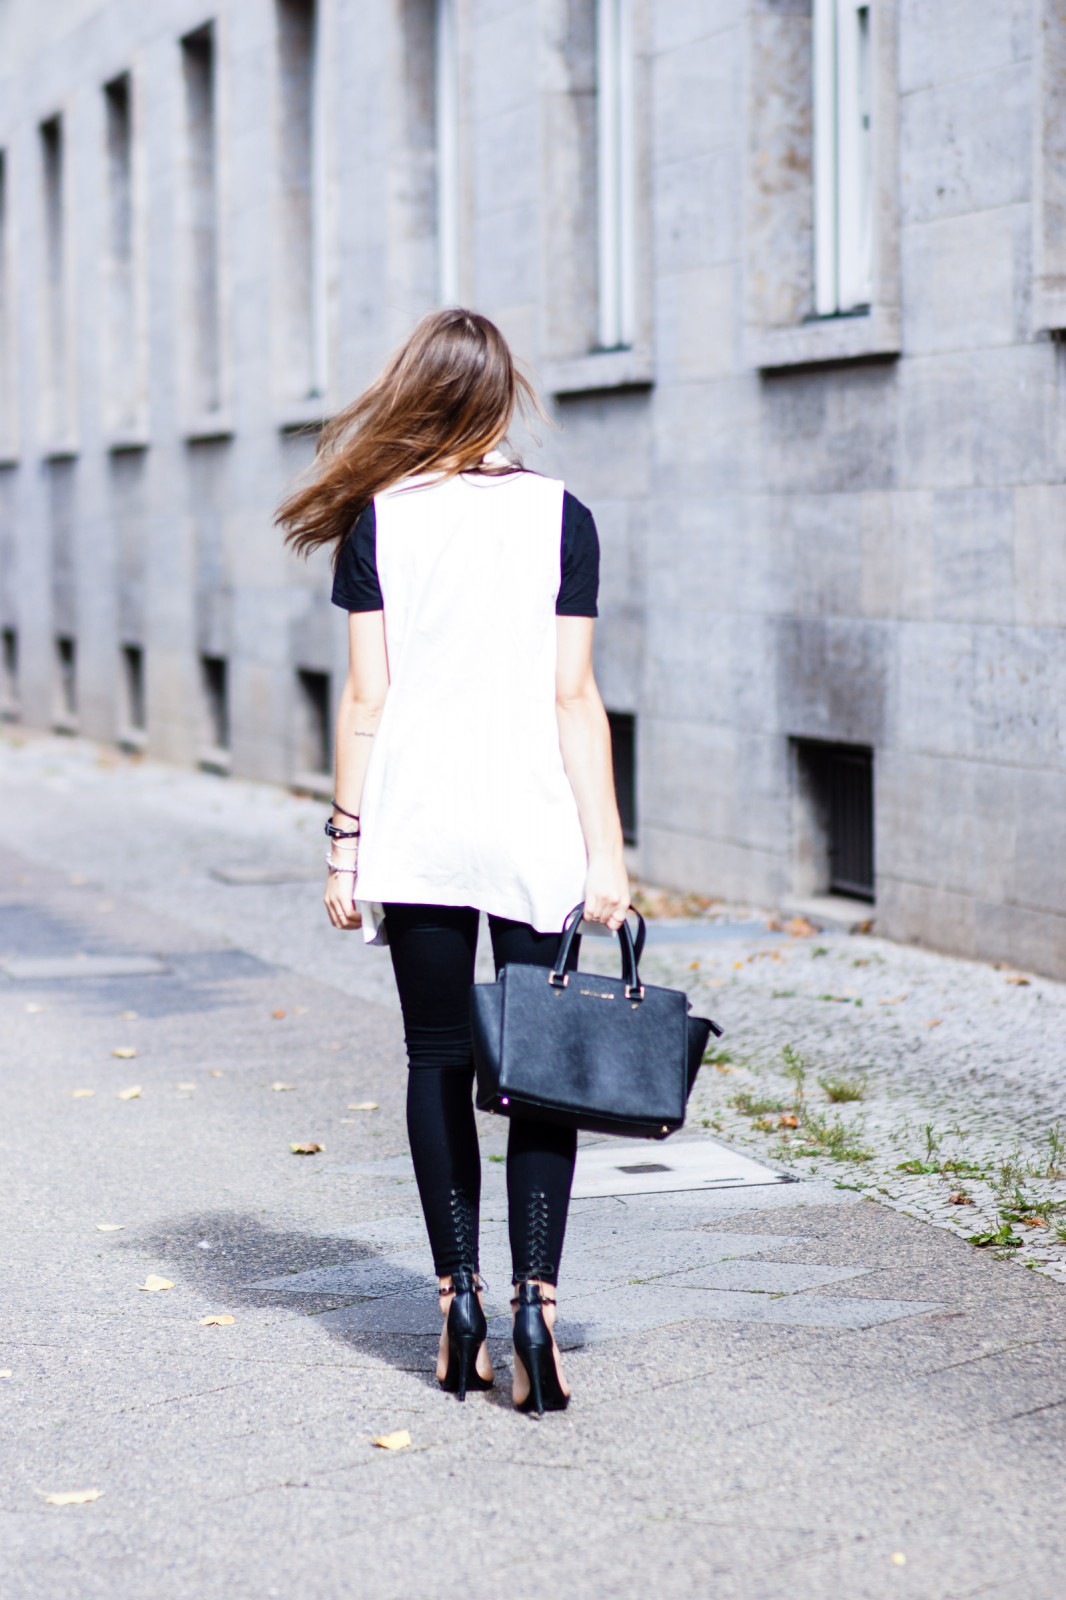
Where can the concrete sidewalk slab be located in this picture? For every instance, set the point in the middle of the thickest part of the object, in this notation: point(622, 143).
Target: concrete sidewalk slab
point(800, 1386)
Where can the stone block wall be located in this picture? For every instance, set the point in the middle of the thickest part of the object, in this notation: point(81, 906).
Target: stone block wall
point(849, 530)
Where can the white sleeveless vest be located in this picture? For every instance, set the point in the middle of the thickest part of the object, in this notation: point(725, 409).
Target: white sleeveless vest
point(466, 800)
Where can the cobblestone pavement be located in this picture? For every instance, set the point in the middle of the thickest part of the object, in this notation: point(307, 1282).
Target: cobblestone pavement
point(958, 1072)
point(780, 1391)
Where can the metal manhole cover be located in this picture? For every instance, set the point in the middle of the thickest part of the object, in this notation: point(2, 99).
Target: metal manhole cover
point(610, 1169)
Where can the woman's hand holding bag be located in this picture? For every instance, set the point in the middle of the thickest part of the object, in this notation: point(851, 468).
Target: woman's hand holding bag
point(606, 1055)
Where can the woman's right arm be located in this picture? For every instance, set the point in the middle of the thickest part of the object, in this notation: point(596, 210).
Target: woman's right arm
point(359, 711)
point(585, 741)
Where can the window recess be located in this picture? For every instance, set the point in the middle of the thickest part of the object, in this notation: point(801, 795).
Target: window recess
point(598, 332)
point(821, 203)
point(447, 140)
point(843, 157)
point(615, 174)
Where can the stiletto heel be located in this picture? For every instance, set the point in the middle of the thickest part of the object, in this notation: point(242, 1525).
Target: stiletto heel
point(467, 1329)
point(535, 1348)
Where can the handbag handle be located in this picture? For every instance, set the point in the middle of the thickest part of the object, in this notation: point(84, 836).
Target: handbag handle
point(631, 952)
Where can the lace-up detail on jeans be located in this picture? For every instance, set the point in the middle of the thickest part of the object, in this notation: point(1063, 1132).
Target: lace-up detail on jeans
point(464, 1228)
point(536, 1264)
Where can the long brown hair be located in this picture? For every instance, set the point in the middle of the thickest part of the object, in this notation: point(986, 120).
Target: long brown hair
point(443, 399)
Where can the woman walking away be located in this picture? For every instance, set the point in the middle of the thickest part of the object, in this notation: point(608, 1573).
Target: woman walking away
point(473, 773)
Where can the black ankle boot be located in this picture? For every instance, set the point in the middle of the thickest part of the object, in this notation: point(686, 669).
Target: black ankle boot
point(466, 1334)
point(534, 1347)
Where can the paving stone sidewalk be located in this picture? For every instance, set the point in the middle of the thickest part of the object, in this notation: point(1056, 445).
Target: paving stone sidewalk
point(779, 1391)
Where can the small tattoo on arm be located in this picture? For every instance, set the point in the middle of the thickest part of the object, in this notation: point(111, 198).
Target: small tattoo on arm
point(361, 733)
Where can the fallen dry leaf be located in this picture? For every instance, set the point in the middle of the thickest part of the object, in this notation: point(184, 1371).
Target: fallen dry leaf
point(110, 1227)
point(124, 1052)
point(934, 1022)
point(899, 1559)
point(5, 1372)
point(127, 1016)
point(187, 1087)
point(215, 1072)
point(308, 1149)
point(82, 1094)
point(33, 1008)
point(278, 1014)
point(693, 966)
point(1019, 980)
point(1034, 1222)
point(300, 1011)
point(280, 1088)
point(737, 965)
point(959, 1199)
point(788, 1121)
point(153, 1284)
point(217, 1320)
point(393, 1441)
point(894, 1000)
point(722, 1066)
point(800, 928)
point(133, 1093)
point(364, 1105)
point(78, 1497)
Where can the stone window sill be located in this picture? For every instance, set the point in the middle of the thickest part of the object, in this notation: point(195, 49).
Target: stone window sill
point(319, 785)
point(125, 442)
point(297, 415)
point(216, 761)
point(855, 337)
point(601, 369)
point(1049, 306)
point(207, 426)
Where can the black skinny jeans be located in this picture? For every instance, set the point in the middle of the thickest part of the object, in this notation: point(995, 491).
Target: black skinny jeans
point(433, 950)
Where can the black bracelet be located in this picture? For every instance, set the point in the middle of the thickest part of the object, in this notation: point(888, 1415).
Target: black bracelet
point(333, 832)
point(344, 813)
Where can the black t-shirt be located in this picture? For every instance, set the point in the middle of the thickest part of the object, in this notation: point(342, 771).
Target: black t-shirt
point(356, 586)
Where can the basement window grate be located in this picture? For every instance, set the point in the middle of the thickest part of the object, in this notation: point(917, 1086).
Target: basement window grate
point(839, 780)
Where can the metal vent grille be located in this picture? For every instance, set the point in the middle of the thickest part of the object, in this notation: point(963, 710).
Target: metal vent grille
point(836, 786)
point(624, 754)
point(847, 780)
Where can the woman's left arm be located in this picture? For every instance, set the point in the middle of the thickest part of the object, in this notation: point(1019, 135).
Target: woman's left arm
point(358, 714)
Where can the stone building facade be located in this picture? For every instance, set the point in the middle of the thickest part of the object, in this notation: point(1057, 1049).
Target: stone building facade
point(791, 275)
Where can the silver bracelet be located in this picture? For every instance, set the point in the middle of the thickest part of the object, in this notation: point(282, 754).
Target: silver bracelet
point(334, 868)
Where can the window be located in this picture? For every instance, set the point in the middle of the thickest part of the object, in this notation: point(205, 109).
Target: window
point(623, 727)
point(9, 674)
point(202, 211)
point(843, 157)
point(66, 699)
point(54, 282)
point(214, 680)
point(133, 704)
point(302, 200)
point(314, 745)
point(615, 174)
point(7, 352)
point(448, 184)
point(119, 258)
point(1049, 174)
point(836, 791)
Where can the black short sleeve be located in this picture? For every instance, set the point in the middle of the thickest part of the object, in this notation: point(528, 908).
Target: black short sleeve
point(355, 581)
point(580, 558)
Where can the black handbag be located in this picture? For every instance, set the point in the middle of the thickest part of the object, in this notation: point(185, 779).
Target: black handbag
point(606, 1055)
